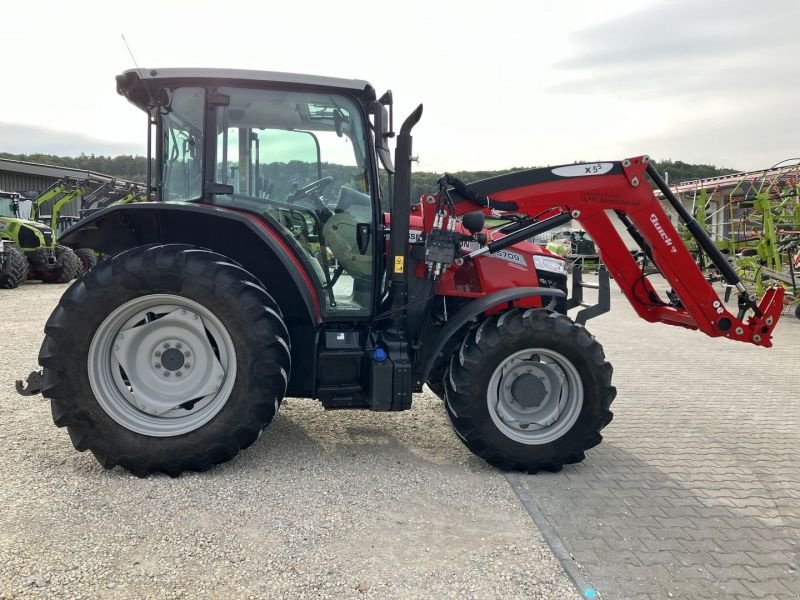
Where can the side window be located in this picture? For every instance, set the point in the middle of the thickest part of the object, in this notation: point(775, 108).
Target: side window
point(182, 173)
point(299, 159)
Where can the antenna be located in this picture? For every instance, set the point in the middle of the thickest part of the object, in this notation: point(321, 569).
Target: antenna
point(139, 70)
point(150, 119)
point(131, 53)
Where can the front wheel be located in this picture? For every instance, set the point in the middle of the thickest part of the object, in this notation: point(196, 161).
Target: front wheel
point(529, 391)
point(164, 359)
point(15, 268)
point(68, 267)
point(87, 258)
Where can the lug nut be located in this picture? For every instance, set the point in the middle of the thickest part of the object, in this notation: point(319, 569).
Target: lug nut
point(187, 354)
point(158, 353)
point(157, 365)
point(166, 345)
point(178, 374)
point(188, 366)
point(166, 373)
point(179, 345)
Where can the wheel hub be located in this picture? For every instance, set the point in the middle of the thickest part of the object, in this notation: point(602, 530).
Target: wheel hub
point(535, 395)
point(529, 391)
point(171, 359)
point(168, 362)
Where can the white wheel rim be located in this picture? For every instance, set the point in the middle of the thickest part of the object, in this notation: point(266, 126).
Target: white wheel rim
point(162, 365)
point(535, 396)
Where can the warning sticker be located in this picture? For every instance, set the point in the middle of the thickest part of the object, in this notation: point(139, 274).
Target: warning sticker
point(399, 264)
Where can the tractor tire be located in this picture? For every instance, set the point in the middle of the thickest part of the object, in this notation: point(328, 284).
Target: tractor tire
point(437, 387)
point(200, 371)
point(87, 259)
point(16, 269)
point(68, 267)
point(529, 391)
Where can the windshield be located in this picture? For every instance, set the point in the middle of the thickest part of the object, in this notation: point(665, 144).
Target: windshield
point(7, 207)
point(272, 143)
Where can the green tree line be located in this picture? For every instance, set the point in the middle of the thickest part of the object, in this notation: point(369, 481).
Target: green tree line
point(125, 166)
point(135, 168)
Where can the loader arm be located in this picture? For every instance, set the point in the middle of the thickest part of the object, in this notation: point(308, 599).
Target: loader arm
point(595, 195)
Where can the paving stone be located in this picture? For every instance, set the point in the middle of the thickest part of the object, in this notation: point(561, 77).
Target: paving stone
point(771, 572)
point(768, 587)
point(697, 475)
point(727, 559)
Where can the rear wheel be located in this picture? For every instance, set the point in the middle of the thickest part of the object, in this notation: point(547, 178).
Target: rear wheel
point(87, 259)
point(164, 359)
point(68, 267)
point(529, 391)
point(16, 268)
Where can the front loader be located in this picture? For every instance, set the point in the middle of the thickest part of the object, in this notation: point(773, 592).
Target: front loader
point(59, 195)
point(272, 264)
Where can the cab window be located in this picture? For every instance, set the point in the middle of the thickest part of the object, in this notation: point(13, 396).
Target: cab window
point(299, 159)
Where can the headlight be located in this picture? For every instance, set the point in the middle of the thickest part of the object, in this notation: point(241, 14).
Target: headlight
point(550, 264)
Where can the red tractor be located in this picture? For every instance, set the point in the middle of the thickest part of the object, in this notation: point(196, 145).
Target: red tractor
point(273, 263)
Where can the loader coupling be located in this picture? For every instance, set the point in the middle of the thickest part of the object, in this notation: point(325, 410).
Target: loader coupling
point(32, 385)
point(758, 328)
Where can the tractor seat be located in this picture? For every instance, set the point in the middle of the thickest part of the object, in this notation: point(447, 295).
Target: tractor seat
point(340, 237)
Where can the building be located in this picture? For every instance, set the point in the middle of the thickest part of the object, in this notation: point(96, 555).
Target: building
point(31, 179)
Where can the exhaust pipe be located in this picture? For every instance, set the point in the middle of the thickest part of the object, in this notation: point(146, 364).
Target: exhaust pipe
point(401, 207)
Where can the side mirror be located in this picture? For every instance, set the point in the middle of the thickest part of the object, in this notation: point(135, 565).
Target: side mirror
point(474, 221)
point(382, 134)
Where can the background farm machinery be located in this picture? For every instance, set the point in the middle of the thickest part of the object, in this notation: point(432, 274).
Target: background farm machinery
point(29, 247)
point(754, 218)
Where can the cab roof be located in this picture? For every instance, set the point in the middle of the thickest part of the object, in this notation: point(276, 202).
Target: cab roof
point(140, 85)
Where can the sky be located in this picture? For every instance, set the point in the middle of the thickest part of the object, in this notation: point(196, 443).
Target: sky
point(504, 84)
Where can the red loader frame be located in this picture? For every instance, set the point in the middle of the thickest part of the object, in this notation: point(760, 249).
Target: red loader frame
point(594, 194)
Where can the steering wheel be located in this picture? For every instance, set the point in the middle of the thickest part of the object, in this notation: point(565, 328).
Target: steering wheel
point(313, 191)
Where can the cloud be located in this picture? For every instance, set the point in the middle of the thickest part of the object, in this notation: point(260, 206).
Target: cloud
point(688, 47)
point(718, 76)
point(30, 139)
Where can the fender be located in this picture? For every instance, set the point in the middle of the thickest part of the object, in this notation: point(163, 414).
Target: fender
point(437, 343)
point(244, 237)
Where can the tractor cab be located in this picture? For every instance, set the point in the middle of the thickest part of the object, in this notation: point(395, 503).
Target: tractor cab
point(9, 205)
point(294, 150)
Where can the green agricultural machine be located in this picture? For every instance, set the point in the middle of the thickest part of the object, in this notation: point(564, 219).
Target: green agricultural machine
point(13, 264)
point(35, 243)
point(58, 196)
point(762, 230)
point(773, 252)
point(113, 193)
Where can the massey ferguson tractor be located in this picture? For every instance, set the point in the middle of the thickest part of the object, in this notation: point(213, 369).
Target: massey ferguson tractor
point(272, 262)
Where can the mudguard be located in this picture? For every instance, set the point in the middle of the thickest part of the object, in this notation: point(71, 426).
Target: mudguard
point(432, 348)
point(244, 237)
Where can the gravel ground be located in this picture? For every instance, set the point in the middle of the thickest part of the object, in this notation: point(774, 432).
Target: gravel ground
point(324, 505)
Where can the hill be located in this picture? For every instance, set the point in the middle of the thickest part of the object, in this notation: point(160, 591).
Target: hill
point(135, 168)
